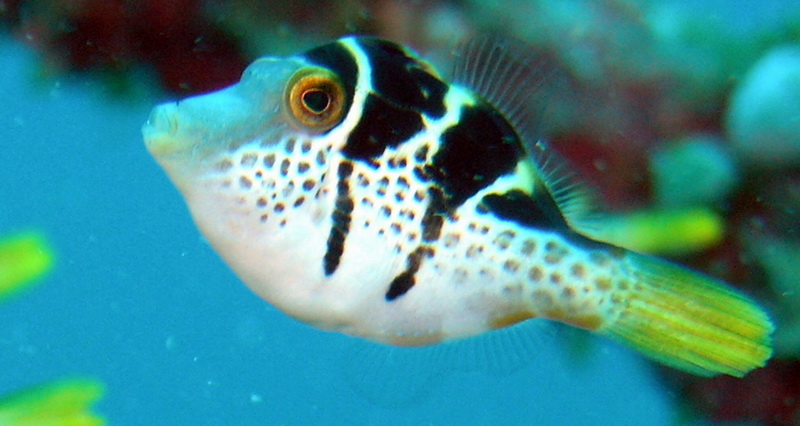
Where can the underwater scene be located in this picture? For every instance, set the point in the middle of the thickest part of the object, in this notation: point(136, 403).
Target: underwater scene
point(399, 212)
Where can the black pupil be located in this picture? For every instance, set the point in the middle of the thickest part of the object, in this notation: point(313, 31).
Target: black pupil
point(316, 100)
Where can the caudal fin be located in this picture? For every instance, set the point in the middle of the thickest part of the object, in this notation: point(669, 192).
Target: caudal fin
point(690, 321)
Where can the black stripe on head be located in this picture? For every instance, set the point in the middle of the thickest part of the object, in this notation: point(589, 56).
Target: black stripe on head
point(473, 153)
point(402, 79)
point(341, 219)
point(381, 125)
point(337, 58)
point(403, 282)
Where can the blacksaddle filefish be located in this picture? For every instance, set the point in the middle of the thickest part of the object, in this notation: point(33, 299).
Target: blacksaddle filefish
point(354, 189)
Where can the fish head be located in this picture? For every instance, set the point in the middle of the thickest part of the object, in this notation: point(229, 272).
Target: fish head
point(276, 98)
point(252, 163)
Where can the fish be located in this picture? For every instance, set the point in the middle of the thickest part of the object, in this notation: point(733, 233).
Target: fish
point(65, 402)
point(25, 258)
point(358, 191)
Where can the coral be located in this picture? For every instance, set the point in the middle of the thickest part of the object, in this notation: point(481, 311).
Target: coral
point(763, 118)
point(695, 170)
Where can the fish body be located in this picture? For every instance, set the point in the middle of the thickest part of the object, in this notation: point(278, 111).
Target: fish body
point(356, 190)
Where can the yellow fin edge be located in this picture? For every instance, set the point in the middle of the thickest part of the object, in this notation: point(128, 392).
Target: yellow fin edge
point(690, 321)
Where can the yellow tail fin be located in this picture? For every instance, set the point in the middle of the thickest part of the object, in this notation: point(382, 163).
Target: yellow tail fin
point(691, 322)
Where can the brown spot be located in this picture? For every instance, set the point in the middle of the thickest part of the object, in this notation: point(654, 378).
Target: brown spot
point(264, 217)
point(285, 166)
point(279, 207)
point(224, 165)
point(421, 154)
point(528, 247)
point(248, 160)
point(578, 270)
point(568, 293)
point(473, 251)
point(503, 239)
point(603, 283)
point(320, 158)
point(305, 148)
point(269, 160)
point(262, 202)
point(536, 274)
point(299, 201)
point(290, 145)
point(555, 278)
point(511, 265)
point(419, 195)
point(552, 258)
point(308, 184)
point(505, 320)
point(303, 167)
point(245, 182)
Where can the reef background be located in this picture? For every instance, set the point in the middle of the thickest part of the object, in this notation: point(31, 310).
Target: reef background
point(665, 106)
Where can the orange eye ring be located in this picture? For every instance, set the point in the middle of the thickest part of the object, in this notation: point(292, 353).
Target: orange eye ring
point(315, 99)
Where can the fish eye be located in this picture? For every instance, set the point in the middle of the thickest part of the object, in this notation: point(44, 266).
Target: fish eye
point(315, 98)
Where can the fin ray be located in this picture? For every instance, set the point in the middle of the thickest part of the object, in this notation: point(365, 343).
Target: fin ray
point(691, 322)
point(578, 203)
point(491, 67)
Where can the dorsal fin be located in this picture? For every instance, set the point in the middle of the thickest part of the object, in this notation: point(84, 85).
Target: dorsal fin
point(508, 77)
point(512, 78)
point(578, 203)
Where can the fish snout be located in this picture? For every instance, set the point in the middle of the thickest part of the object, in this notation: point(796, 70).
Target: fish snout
point(160, 132)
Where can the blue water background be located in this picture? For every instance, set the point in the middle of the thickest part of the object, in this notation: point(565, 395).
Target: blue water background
point(141, 302)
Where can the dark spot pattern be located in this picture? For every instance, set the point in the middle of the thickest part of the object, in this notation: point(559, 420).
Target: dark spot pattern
point(341, 219)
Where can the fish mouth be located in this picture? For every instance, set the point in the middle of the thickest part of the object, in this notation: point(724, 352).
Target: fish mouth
point(160, 132)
